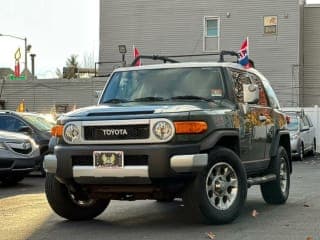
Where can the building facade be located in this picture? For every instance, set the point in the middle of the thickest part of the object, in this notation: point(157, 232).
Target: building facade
point(310, 84)
point(173, 27)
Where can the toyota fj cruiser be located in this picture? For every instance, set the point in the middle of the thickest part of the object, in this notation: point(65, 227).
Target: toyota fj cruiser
point(202, 131)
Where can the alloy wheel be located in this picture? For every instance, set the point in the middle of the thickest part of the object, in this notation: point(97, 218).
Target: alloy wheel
point(222, 186)
point(283, 174)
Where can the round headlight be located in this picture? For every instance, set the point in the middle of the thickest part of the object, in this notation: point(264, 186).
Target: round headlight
point(162, 130)
point(71, 133)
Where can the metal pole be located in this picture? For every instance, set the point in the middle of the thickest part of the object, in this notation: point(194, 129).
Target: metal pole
point(25, 57)
point(25, 49)
point(32, 66)
point(124, 59)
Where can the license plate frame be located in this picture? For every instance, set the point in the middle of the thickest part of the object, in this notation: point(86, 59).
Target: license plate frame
point(108, 159)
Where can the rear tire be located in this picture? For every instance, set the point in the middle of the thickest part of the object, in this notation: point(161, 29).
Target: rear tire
point(218, 193)
point(67, 205)
point(277, 191)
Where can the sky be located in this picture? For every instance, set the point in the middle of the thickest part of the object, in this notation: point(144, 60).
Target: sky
point(55, 29)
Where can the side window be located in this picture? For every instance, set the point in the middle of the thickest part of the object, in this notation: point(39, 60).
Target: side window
point(273, 100)
point(305, 121)
point(301, 123)
point(263, 101)
point(239, 78)
point(10, 123)
point(309, 121)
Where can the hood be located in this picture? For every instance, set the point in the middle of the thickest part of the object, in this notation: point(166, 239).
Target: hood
point(136, 108)
point(12, 136)
point(293, 132)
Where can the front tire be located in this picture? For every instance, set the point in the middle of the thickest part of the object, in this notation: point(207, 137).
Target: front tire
point(218, 193)
point(314, 148)
point(277, 191)
point(11, 180)
point(67, 205)
point(301, 152)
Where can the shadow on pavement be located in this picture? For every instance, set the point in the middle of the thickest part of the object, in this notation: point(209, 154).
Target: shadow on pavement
point(31, 184)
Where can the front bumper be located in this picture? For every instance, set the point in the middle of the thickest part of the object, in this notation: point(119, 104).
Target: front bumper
point(16, 165)
point(294, 146)
point(163, 161)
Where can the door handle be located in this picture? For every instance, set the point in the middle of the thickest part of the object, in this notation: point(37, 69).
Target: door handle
point(262, 118)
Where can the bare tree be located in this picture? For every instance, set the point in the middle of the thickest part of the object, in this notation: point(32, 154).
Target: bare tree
point(88, 60)
point(59, 73)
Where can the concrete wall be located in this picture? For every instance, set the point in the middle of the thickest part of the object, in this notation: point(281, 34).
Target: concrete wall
point(170, 27)
point(42, 95)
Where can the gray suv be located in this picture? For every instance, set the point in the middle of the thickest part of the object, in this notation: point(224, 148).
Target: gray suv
point(202, 131)
point(302, 134)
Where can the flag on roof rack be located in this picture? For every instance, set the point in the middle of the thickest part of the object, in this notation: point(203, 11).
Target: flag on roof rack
point(136, 54)
point(244, 53)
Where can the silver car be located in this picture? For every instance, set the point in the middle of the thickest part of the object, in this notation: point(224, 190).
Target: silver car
point(18, 154)
point(302, 134)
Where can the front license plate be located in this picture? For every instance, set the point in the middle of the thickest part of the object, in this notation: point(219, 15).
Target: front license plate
point(108, 159)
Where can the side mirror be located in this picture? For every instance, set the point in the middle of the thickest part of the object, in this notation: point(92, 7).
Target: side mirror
point(250, 93)
point(26, 130)
point(304, 128)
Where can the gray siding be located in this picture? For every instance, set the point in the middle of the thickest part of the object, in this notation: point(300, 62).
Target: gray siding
point(176, 27)
point(311, 85)
point(42, 95)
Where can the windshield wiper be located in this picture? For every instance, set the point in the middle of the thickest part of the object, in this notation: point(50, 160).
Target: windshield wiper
point(192, 97)
point(149, 99)
point(116, 100)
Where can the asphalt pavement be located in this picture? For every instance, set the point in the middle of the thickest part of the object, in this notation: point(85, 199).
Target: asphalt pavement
point(25, 214)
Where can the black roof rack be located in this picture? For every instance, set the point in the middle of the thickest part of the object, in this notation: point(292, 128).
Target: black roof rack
point(171, 60)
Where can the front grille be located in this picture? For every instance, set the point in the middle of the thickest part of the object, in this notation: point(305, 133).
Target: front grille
point(20, 147)
point(125, 132)
point(22, 151)
point(129, 160)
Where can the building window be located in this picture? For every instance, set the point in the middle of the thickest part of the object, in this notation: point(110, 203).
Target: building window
point(270, 25)
point(211, 34)
point(212, 27)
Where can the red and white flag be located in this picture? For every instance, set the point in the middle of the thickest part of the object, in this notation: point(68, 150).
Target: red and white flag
point(244, 53)
point(136, 54)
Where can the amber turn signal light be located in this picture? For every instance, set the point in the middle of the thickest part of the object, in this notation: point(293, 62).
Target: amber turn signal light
point(190, 127)
point(57, 131)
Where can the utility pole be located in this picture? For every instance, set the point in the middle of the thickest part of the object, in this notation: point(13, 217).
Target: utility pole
point(32, 66)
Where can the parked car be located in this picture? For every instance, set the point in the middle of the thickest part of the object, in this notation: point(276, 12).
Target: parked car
point(18, 155)
point(302, 134)
point(35, 125)
point(200, 131)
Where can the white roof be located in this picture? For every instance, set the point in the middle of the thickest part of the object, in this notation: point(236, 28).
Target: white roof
point(190, 64)
point(181, 65)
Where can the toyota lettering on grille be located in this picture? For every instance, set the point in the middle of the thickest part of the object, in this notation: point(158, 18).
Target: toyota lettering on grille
point(114, 132)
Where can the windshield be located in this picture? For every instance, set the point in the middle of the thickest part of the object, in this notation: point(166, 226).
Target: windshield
point(39, 122)
point(294, 123)
point(162, 84)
